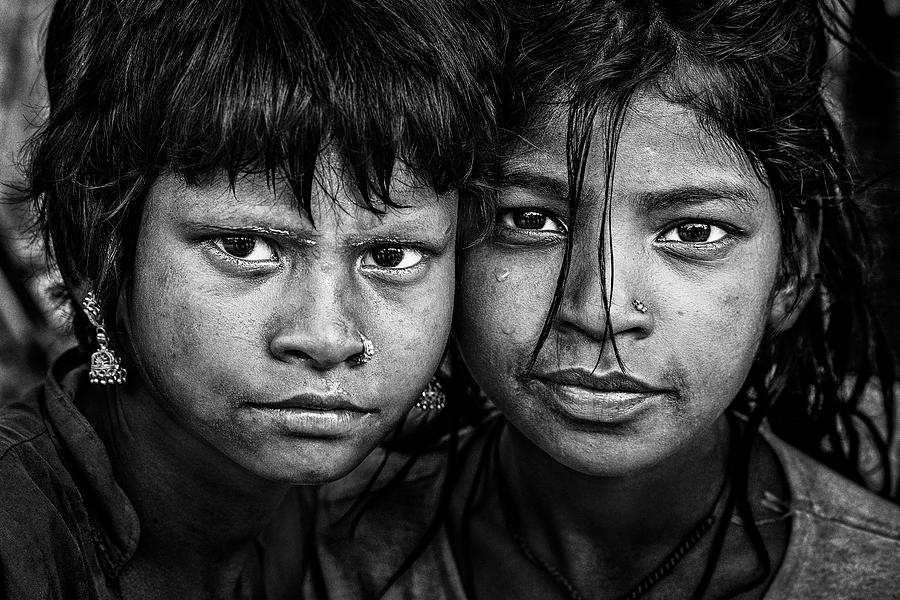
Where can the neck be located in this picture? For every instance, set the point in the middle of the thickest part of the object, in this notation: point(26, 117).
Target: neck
point(612, 518)
point(193, 502)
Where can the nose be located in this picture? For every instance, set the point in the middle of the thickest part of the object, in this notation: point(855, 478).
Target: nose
point(315, 327)
point(606, 301)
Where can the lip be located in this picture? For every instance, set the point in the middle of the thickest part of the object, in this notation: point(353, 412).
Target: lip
point(614, 381)
point(314, 402)
point(608, 398)
point(313, 414)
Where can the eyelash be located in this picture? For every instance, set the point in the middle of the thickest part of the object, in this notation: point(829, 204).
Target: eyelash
point(697, 249)
point(519, 235)
point(370, 249)
point(250, 266)
point(367, 251)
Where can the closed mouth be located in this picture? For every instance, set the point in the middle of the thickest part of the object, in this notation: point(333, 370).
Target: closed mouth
point(611, 382)
point(313, 402)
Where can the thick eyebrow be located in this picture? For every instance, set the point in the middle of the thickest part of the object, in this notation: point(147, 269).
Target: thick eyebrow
point(738, 197)
point(545, 185)
point(304, 237)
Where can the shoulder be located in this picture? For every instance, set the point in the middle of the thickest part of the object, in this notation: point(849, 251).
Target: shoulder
point(39, 537)
point(829, 497)
point(845, 540)
point(30, 463)
point(21, 421)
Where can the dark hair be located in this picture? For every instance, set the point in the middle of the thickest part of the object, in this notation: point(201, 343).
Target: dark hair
point(752, 73)
point(142, 87)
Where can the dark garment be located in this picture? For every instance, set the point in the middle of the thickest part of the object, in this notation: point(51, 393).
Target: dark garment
point(66, 527)
point(844, 541)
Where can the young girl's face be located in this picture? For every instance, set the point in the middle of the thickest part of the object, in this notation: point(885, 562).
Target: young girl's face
point(245, 318)
point(692, 251)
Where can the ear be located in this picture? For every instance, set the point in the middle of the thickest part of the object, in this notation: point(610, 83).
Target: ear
point(799, 273)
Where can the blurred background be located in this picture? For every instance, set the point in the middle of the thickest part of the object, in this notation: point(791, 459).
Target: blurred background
point(865, 84)
point(31, 331)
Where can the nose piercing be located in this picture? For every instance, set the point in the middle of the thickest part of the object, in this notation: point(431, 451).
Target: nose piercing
point(639, 306)
point(368, 350)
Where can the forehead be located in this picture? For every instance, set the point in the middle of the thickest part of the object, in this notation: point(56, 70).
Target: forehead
point(335, 197)
point(662, 145)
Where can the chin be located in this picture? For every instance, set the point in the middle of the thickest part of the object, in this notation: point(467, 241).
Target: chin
point(602, 455)
point(311, 466)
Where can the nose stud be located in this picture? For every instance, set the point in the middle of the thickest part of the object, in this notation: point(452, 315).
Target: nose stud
point(639, 306)
point(368, 350)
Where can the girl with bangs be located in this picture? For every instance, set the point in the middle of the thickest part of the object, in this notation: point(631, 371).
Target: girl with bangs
point(670, 314)
point(253, 209)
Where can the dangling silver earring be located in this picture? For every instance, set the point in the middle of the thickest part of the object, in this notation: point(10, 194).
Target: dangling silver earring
point(106, 366)
point(433, 398)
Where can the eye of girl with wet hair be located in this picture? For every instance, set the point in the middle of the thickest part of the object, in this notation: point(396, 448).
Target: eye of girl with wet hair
point(527, 221)
point(695, 232)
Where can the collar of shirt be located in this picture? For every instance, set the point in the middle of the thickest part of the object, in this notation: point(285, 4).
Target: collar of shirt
point(112, 517)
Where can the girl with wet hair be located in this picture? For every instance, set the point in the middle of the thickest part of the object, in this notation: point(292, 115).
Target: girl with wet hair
point(253, 209)
point(670, 314)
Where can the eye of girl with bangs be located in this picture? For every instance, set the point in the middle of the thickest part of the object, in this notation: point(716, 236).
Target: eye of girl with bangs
point(394, 256)
point(248, 248)
point(243, 253)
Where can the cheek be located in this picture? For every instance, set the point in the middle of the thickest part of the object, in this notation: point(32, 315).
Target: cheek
point(410, 327)
point(414, 326)
point(502, 305)
point(717, 330)
point(189, 337)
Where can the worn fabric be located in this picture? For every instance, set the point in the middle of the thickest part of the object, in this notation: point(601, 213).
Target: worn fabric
point(844, 541)
point(66, 527)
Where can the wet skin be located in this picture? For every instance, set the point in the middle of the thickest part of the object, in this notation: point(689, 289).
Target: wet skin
point(243, 320)
point(620, 461)
point(693, 236)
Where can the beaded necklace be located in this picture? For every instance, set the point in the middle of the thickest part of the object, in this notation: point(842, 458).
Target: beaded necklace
point(665, 567)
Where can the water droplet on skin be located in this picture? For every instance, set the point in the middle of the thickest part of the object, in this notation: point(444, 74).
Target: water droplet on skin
point(502, 275)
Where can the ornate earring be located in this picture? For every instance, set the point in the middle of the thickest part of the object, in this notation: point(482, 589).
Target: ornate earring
point(368, 350)
point(639, 306)
point(106, 366)
point(433, 398)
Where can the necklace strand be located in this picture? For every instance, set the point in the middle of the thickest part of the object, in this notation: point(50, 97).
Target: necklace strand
point(665, 567)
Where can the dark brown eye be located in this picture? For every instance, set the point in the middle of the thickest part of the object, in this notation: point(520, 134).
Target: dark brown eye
point(529, 219)
point(238, 245)
point(388, 256)
point(249, 248)
point(393, 257)
point(525, 219)
point(694, 232)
